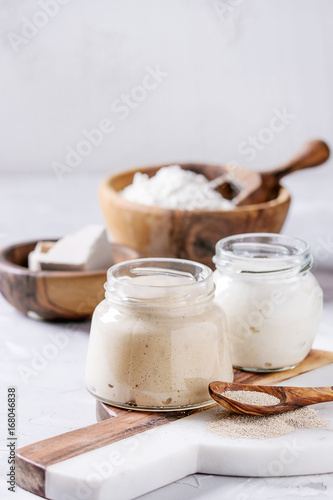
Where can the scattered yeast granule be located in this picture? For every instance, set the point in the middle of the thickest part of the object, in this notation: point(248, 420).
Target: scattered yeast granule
point(232, 425)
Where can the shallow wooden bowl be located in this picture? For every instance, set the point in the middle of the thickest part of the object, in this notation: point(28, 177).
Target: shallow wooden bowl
point(53, 295)
point(160, 232)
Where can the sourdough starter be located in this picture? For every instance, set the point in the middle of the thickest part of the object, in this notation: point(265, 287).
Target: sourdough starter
point(161, 348)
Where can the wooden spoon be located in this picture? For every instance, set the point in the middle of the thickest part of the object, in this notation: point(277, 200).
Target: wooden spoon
point(290, 397)
point(246, 187)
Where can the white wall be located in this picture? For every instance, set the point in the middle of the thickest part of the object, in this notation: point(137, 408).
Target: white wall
point(230, 64)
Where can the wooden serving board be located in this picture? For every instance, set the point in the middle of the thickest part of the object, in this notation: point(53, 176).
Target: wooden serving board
point(133, 452)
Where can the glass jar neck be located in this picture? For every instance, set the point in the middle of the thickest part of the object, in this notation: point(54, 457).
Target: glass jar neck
point(159, 282)
point(262, 254)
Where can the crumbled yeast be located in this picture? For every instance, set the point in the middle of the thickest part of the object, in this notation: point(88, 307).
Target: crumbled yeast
point(252, 397)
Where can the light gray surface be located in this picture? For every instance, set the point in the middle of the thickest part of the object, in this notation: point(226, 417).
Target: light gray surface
point(229, 65)
point(53, 400)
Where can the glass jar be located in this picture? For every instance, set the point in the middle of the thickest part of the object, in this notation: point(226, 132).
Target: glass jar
point(158, 339)
point(272, 302)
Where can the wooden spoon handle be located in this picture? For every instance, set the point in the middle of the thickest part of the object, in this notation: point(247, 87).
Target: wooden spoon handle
point(312, 154)
point(309, 395)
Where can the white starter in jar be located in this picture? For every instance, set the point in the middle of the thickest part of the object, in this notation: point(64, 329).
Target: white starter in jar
point(158, 339)
point(272, 301)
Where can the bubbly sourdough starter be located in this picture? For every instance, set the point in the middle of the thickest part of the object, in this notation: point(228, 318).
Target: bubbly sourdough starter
point(157, 356)
point(272, 324)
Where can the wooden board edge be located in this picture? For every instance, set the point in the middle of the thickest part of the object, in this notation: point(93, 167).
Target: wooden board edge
point(30, 476)
point(315, 359)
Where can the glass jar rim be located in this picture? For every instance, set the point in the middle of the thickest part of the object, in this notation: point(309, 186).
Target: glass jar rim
point(120, 285)
point(258, 253)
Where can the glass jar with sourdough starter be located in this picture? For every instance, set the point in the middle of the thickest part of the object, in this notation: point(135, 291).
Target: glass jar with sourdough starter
point(158, 339)
point(272, 302)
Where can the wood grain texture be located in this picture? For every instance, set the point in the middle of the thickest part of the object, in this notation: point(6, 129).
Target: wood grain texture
point(61, 295)
point(159, 232)
point(116, 424)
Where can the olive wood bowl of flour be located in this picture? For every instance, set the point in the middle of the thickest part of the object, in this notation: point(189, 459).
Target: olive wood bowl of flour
point(188, 234)
point(53, 295)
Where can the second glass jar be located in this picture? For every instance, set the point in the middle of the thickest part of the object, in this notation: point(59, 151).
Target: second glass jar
point(272, 302)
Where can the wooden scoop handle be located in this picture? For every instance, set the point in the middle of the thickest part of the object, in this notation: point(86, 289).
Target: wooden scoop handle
point(312, 395)
point(312, 154)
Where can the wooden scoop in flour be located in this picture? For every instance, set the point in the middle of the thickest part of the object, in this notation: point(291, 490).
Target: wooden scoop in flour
point(246, 187)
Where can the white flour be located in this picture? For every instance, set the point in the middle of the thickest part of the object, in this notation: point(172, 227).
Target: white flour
point(175, 188)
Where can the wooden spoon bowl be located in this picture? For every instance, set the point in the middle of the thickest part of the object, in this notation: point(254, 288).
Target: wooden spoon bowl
point(53, 295)
point(290, 398)
point(161, 232)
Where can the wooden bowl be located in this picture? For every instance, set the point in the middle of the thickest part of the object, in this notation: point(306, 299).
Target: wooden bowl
point(160, 232)
point(53, 295)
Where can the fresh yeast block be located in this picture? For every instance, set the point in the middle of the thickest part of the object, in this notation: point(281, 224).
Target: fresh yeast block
point(35, 256)
point(86, 250)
